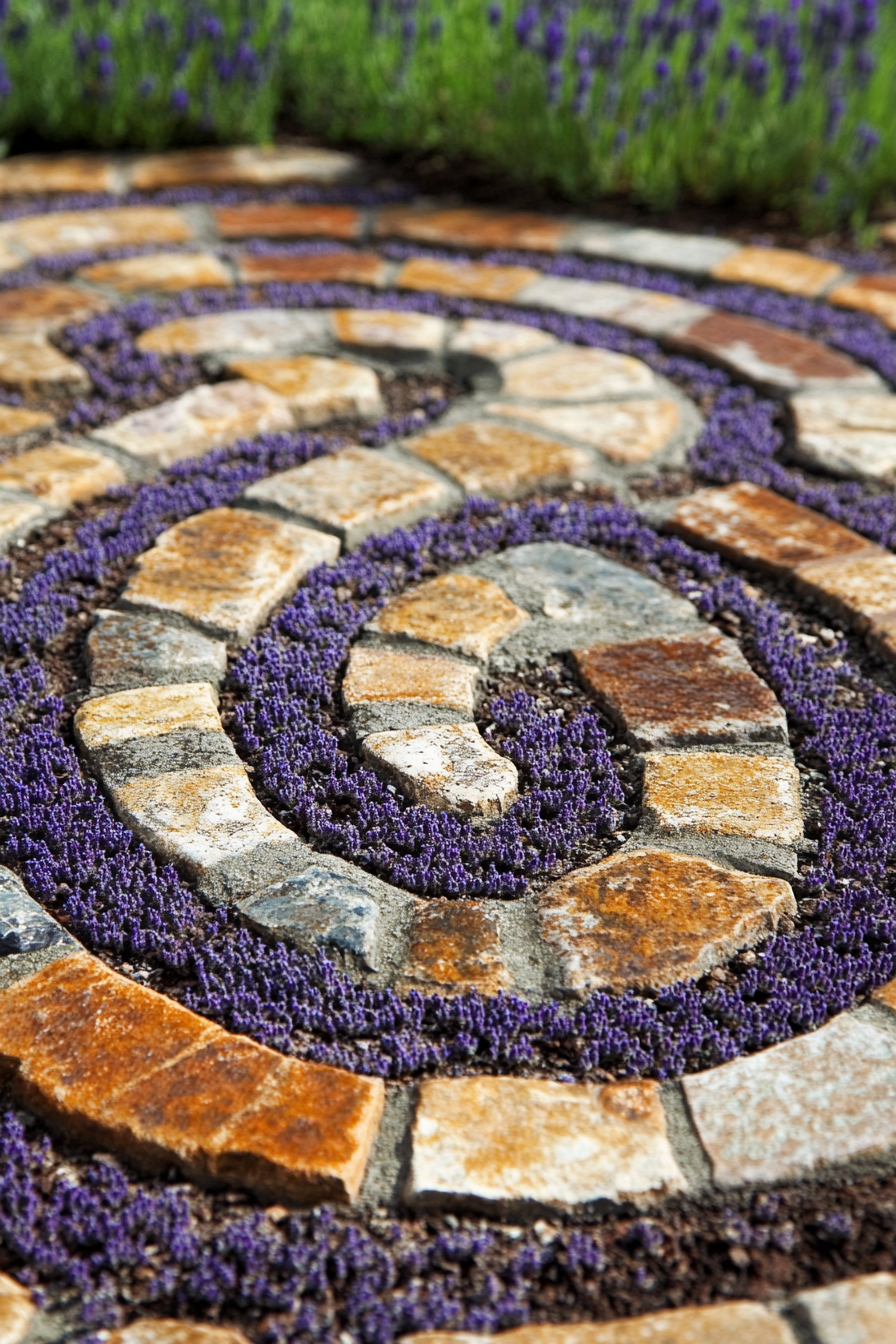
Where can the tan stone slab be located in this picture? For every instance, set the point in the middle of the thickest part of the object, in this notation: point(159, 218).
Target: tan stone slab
point(886, 995)
point(514, 1142)
point(748, 522)
point(16, 1311)
point(94, 230)
point(871, 294)
point(624, 431)
point(783, 1114)
point(60, 474)
point(771, 356)
point(854, 1311)
point(16, 516)
point(36, 174)
point(641, 310)
point(455, 948)
point(151, 711)
point(499, 460)
point(682, 690)
point(778, 268)
point(382, 330)
point(469, 227)
point(317, 389)
point(257, 331)
point(15, 420)
point(497, 341)
point(455, 611)
point(30, 364)
point(209, 416)
point(42, 309)
point(860, 588)
point(471, 279)
point(164, 271)
point(353, 268)
point(226, 569)
point(574, 374)
point(721, 794)
point(389, 676)
point(648, 917)
point(354, 493)
point(847, 435)
point(284, 220)
point(241, 165)
point(161, 1331)
point(448, 768)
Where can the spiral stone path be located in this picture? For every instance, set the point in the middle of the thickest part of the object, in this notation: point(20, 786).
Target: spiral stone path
point(705, 874)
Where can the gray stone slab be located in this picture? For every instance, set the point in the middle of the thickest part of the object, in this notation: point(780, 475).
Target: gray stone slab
point(147, 757)
point(640, 310)
point(24, 925)
point(320, 908)
point(855, 1311)
point(689, 252)
point(387, 718)
point(126, 650)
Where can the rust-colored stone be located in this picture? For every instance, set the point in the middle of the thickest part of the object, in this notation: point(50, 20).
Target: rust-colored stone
point(746, 522)
point(770, 356)
point(860, 588)
point(281, 220)
point(498, 460)
point(778, 268)
point(469, 227)
point(164, 271)
point(60, 474)
point(146, 1330)
point(30, 364)
point(625, 431)
point(871, 294)
point(574, 374)
point(93, 230)
point(389, 676)
point(39, 174)
point(45, 308)
point(722, 794)
point(353, 268)
point(383, 330)
point(316, 389)
point(456, 611)
point(150, 711)
point(682, 690)
point(470, 279)
point(15, 420)
point(16, 1311)
point(648, 917)
point(454, 948)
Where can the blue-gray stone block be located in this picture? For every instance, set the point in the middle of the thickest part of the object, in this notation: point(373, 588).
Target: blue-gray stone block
point(319, 908)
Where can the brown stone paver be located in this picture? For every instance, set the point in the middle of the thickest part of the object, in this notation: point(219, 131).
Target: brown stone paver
point(39, 173)
point(627, 432)
point(353, 493)
point(358, 268)
point(257, 331)
point(316, 389)
point(847, 435)
point(854, 1311)
point(209, 416)
point(794, 1108)
point(16, 420)
point(151, 711)
point(388, 676)
point(465, 227)
point(682, 690)
point(455, 947)
point(725, 1323)
point(93, 230)
point(861, 588)
point(778, 268)
point(164, 271)
point(282, 220)
point(447, 767)
point(498, 460)
point(384, 332)
point(60, 474)
point(16, 1311)
point(500, 284)
point(147, 1330)
point(497, 341)
point(649, 917)
point(42, 309)
point(17, 516)
point(241, 165)
point(717, 793)
point(31, 365)
point(746, 522)
point(226, 569)
point(516, 1143)
point(571, 374)
point(455, 611)
point(872, 294)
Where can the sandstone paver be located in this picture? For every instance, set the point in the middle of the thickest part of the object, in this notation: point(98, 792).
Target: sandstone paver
point(258, 331)
point(161, 1331)
point(358, 268)
point(779, 268)
point(455, 611)
point(16, 1311)
point(24, 925)
point(494, 342)
point(18, 517)
point(574, 374)
point(284, 220)
point(16, 421)
point(94, 230)
point(886, 995)
point(872, 294)
point(60, 474)
point(474, 280)
point(488, 458)
point(30, 364)
point(455, 947)
point(465, 227)
point(150, 711)
point(649, 917)
point(389, 334)
point(854, 1311)
point(628, 432)
point(642, 310)
point(861, 588)
point(677, 691)
point(354, 493)
point(653, 247)
point(320, 908)
point(377, 676)
point(315, 389)
point(241, 165)
point(164, 271)
point(512, 1143)
point(717, 793)
point(36, 174)
point(226, 569)
point(126, 650)
point(847, 435)
point(447, 768)
point(782, 1114)
point(43, 309)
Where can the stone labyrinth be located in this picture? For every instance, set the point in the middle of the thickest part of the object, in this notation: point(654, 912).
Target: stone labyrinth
point(447, 729)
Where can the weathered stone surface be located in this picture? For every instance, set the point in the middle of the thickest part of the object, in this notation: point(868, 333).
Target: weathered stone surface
point(151, 711)
point(241, 165)
point(493, 342)
point(474, 280)
point(226, 569)
point(469, 227)
point(60, 474)
point(721, 794)
point(641, 310)
point(648, 917)
point(16, 1311)
point(447, 768)
point(653, 247)
point(872, 294)
point(354, 493)
point(15, 420)
point(126, 649)
point(376, 676)
point(206, 417)
point(17, 517)
point(628, 432)
point(780, 1115)
point(574, 374)
point(861, 588)
point(36, 174)
point(386, 333)
point(854, 1311)
point(30, 364)
point(746, 522)
point(358, 268)
point(114, 1063)
point(680, 691)
point(319, 908)
point(284, 220)
point(455, 947)
point(45, 308)
point(516, 1142)
point(847, 435)
point(161, 1331)
point(258, 331)
point(165, 271)
point(315, 389)
point(24, 925)
point(455, 611)
point(775, 359)
point(778, 268)
point(96, 230)
point(499, 460)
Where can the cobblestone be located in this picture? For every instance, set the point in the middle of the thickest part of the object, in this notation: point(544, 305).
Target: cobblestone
point(317, 390)
point(459, 612)
point(126, 650)
point(447, 768)
point(778, 268)
point(43, 309)
point(30, 364)
point(492, 459)
point(861, 588)
point(455, 947)
point(855, 1311)
point(60, 474)
point(851, 436)
point(717, 793)
point(166, 271)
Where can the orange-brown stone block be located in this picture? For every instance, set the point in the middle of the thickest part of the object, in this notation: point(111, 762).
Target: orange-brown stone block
point(625, 431)
point(574, 374)
point(860, 588)
point(455, 947)
point(281, 220)
point(456, 611)
point(165, 271)
point(778, 268)
point(388, 676)
point(240, 165)
point(16, 1311)
point(721, 794)
point(93, 230)
point(682, 690)
point(500, 284)
point(872, 294)
point(30, 364)
point(498, 460)
point(316, 389)
point(147, 1330)
point(36, 174)
point(60, 474)
point(746, 522)
point(381, 330)
point(648, 917)
point(45, 308)
point(886, 995)
point(468, 227)
point(771, 356)
point(353, 268)
point(15, 420)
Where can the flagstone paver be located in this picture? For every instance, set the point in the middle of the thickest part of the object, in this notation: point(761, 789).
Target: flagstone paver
point(258, 331)
point(283, 220)
point(16, 1311)
point(459, 612)
point(861, 588)
point(492, 459)
point(479, 229)
point(320, 908)
point(445, 767)
point(243, 165)
point(31, 365)
point(148, 1330)
point(42, 309)
point(847, 435)
point(573, 374)
point(90, 230)
point(16, 421)
point(854, 1311)
point(652, 247)
point(717, 793)
point(48, 173)
point(500, 284)
point(125, 650)
point(389, 334)
point(646, 312)
point(317, 390)
point(392, 676)
point(18, 517)
point(506, 1144)
point(627, 432)
point(24, 925)
point(455, 947)
point(778, 268)
point(870, 293)
point(166, 271)
point(60, 474)
point(479, 341)
point(360, 268)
